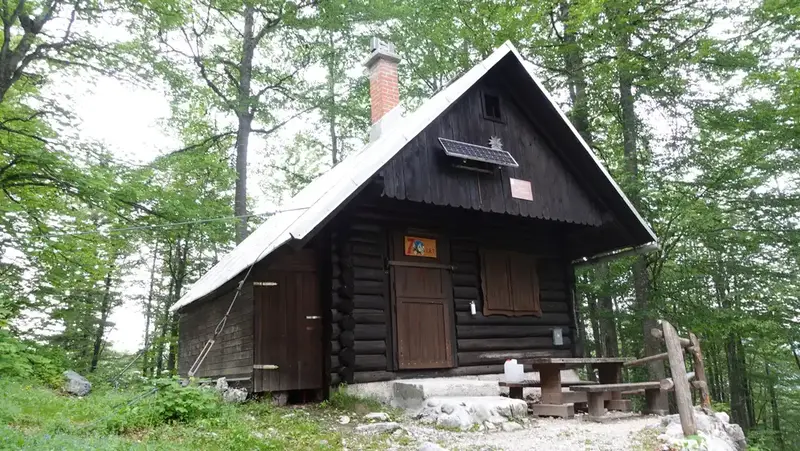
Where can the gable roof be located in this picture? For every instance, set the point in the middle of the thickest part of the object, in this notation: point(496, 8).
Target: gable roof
point(302, 215)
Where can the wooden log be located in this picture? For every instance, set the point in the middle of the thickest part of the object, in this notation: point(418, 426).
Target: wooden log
point(346, 374)
point(465, 280)
point(343, 304)
point(484, 358)
point(372, 376)
point(646, 360)
point(370, 332)
point(684, 342)
point(347, 322)
point(345, 291)
point(469, 293)
point(511, 344)
point(363, 347)
point(368, 262)
point(367, 249)
point(551, 319)
point(700, 369)
point(368, 287)
point(364, 316)
point(370, 362)
point(370, 301)
point(668, 384)
point(346, 339)
point(369, 274)
point(683, 395)
point(335, 379)
point(347, 357)
point(505, 331)
point(554, 307)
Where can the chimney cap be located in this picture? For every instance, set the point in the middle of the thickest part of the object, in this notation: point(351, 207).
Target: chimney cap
point(380, 49)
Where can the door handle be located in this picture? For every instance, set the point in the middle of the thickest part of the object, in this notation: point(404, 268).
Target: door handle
point(313, 317)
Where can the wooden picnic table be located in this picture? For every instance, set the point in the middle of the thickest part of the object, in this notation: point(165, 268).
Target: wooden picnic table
point(609, 371)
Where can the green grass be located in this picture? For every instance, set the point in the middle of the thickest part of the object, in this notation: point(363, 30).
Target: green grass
point(36, 418)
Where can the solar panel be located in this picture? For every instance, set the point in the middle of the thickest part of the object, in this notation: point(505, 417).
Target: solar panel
point(477, 153)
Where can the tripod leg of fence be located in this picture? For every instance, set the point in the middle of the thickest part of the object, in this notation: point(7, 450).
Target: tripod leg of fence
point(677, 366)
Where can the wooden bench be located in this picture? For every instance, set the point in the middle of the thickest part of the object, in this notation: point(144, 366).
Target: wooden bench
point(515, 388)
point(597, 394)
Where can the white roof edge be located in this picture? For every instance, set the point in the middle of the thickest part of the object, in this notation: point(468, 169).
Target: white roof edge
point(582, 142)
point(314, 203)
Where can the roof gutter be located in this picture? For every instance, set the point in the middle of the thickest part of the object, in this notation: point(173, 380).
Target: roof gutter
point(606, 256)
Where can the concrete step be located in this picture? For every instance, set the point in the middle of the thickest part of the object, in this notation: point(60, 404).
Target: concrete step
point(411, 393)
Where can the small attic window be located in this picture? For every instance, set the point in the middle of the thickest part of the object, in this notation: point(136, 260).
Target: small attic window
point(491, 107)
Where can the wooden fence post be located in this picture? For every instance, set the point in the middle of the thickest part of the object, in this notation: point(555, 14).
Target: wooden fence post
point(677, 366)
point(700, 370)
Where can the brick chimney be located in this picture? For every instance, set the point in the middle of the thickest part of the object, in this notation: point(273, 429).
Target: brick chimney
point(384, 91)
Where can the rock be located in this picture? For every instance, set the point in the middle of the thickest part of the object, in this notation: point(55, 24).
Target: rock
point(434, 402)
point(377, 416)
point(377, 428)
point(448, 408)
point(234, 395)
point(459, 419)
point(480, 413)
point(257, 435)
point(221, 385)
point(280, 398)
point(398, 433)
point(323, 443)
point(510, 426)
point(490, 426)
point(76, 384)
point(344, 419)
point(735, 431)
point(430, 446)
point(722, 416)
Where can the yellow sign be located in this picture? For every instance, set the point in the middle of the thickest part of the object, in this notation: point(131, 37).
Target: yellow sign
point(420, 247)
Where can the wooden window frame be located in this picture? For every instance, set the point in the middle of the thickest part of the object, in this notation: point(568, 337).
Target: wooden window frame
point(485, 111)
point(491, 283)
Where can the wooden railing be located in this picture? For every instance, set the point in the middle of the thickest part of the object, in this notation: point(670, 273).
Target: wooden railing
point(681, 381)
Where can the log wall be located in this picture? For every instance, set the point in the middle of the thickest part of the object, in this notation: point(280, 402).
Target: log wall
point(361, 347)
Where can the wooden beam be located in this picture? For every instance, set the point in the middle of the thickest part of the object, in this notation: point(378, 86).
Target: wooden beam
point(700, 369)
point(646, 360)
point(668, 384)
point(683, 395)
point(685, 343)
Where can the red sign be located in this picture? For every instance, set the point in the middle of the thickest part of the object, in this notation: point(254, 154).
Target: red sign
point(420, 247)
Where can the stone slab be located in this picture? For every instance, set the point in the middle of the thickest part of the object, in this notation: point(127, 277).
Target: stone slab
point(411, 393)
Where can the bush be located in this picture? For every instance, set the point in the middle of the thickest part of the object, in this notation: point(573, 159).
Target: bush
point(170, 403)
point(25, 360)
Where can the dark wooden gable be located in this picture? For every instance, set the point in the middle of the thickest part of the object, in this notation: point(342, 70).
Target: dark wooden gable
point(422, 172)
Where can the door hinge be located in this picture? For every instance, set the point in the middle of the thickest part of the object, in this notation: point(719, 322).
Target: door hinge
point(313, 317)
point(265, 367)
point(265, 284)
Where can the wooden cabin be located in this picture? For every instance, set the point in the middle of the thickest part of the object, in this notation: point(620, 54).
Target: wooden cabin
point(442, 248)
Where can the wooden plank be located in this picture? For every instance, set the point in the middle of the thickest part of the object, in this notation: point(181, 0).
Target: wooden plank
point(553, 319)
point(578, 360)
point(601, 388)
point(700, 370)
point(485, 358)
point(646, 360)
point(683, 395)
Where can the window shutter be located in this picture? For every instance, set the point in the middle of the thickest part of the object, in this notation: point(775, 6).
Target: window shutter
point(495, 283)
point(524, 282)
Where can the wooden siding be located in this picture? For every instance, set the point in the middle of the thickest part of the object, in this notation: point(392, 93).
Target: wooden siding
point(422, 173)
point(232, 354)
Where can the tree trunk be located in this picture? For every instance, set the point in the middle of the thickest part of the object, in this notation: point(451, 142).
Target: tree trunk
point(244, 114)
point(332, 99)
point(105, 307)
point(595, 324)
point(179, 278)
point(148, 313)
point(773, 401)
point(738, 384)
point(607, 321)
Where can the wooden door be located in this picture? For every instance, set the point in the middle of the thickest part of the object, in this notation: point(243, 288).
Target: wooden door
point(423, 300)
point(288, 331)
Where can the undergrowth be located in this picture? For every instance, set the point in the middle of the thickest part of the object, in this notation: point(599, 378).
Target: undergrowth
point(33, 417)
